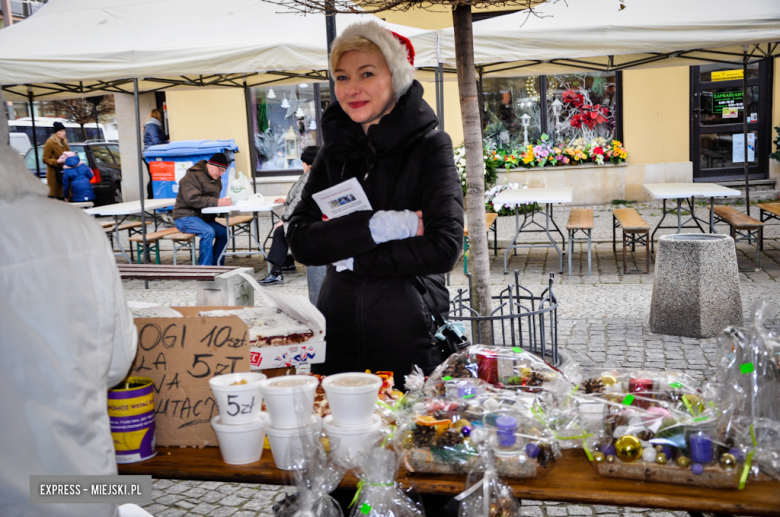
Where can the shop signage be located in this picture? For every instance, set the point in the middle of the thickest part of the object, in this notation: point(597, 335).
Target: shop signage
point(722, 100)
point(730, 112)
point(727, 75)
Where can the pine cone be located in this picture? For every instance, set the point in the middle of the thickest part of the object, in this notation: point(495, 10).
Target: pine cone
point(592, 386)
point(423, 436)
point(457, 370)
point(545, 455)
point(449, 438)
point(535, 379)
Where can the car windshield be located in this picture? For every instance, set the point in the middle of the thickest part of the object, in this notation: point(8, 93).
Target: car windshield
point(115, 152)
point(81, 152)
point(29, 159)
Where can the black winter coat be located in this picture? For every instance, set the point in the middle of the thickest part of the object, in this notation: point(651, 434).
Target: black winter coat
point(375, 317)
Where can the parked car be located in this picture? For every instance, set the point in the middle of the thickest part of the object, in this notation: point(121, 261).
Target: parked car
point(102, 158)
point(20, 142)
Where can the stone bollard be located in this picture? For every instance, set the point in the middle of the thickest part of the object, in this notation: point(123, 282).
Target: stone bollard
point(226, 290)
point(696, 288)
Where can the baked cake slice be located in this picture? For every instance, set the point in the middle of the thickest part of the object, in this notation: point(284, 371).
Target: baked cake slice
point(268, 326)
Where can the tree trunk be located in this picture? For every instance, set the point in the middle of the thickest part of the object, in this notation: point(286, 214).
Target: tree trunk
point(479, 264)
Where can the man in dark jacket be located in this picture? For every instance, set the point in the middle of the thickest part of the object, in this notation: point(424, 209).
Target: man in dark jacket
point(199, 189)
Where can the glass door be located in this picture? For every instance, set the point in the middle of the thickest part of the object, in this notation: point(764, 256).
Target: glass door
point(717, 113)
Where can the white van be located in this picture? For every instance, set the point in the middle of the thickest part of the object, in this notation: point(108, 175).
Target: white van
point(44, 126)
point(20, 142)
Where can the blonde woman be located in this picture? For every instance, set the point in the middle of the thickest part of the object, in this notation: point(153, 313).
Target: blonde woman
point(381, 132)
point(54, 148)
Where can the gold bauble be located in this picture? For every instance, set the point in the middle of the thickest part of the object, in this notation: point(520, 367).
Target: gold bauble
point(728, 461)
point(661, 458)
point(610, 459)
point(659, 448)
point(461, 423)
point(628, 448)
point(608, 380)
point(683, 462)
point(407, 441)
point(599, 457)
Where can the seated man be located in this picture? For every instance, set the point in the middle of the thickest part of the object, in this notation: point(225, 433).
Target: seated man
point(199, 189)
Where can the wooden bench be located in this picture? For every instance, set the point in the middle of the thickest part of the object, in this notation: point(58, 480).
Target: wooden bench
point(239, 225)
point(490, 225)
point(739, 222)
point(182, 241)
point(580, 219)
point(635, 230)
point(572, 480)
point(168, 272)
point(768, 212)
point(133, 228)
point(151, 240)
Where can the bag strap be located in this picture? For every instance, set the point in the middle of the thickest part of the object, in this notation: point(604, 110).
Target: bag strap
point(426, 296)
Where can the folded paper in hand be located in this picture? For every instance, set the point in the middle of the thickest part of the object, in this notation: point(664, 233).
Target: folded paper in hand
point(342, 199)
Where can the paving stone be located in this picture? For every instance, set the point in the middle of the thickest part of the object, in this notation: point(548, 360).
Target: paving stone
point(246, 492)
point(169, 499)
point(580, 510)
point(228, 489)
point(605, 509)
point(162, 484)
point(154, 508)
point(211, 485)
point(557, 511)
point(224, 511)
point(212, 497)
point(531, 511)
point(530, 502)
point(256, 504)
point(177, 489)
point(203, 509)
point(232, 500)
point(171, 512)
point(195, 492)
point(185, 504)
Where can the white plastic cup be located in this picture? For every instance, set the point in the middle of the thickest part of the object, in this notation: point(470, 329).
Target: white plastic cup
point(287, 444)
point(240, 403)
point(350, 441)
point(282, 394)
point(352, 397)
point(240, 443)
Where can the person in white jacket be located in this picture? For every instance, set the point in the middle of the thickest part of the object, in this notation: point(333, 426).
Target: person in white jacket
point(66, 336)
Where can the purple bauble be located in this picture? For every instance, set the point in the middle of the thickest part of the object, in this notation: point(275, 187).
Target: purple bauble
point(609, 450)
point(667, 451)
point(737, 453)
point(532, 450)
point(697, 469)
point(465, 431)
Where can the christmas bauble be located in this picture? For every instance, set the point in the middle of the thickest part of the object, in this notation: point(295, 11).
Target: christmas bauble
point(727, 461)
point(628, 448)
point(661, 458)
point(599, 457)
point(683, 462)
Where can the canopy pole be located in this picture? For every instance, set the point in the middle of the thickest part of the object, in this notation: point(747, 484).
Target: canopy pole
point(139, 143)
point(439, 81)
point(250, 126)
point(330, 30)
point(34, 130)
point(744, 126)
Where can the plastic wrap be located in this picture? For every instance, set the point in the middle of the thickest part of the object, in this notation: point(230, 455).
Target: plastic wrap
point(378, 494)
point(748, 385)
point(316, 474)
point(500, 367)
point(486, 494)
point(648, 439)
point(439, 435)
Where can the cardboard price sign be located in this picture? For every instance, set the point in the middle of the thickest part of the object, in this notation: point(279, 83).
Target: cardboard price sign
point(180, 355)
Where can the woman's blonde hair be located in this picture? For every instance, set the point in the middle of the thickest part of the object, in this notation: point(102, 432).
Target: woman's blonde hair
point(155, 113)
point(358, 43)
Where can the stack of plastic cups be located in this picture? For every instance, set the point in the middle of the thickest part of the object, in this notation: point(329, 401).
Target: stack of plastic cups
point(240, 423)
point(290, 401)
point(352, 423)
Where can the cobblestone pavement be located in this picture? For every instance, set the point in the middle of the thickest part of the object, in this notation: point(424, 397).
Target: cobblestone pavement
point(602, 321)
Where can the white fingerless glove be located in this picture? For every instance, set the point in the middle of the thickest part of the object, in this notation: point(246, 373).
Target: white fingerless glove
point(344, 265)
point(392, 225)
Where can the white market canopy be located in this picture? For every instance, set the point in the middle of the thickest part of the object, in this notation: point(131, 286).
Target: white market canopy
point(84, 47)
point(598, 35)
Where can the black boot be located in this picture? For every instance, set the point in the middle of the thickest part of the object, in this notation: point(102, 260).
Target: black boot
point(272, 278)
point(289, 264)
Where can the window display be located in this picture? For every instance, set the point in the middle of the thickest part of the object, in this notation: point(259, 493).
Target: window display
point(286, 123)
point(512, 111)
point(581, 105)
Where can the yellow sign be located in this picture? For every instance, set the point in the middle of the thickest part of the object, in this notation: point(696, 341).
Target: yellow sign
point(727, 75)
point(730, 112)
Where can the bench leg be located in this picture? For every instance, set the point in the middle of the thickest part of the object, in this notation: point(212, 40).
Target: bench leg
point(625, 268)
point(569, 232)
point(647, 253)
point(759, 246)
point(613, 234)
point(157, 251)
point(192, 248)
point(465, 255)
point(589, 253)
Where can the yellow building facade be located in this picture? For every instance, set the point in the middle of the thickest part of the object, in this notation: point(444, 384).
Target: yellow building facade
point(656, 113)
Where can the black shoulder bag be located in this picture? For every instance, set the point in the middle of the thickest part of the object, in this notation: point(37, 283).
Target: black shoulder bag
point(452, 341)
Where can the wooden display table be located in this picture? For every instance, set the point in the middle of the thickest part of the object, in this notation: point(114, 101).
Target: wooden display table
point(571, 480)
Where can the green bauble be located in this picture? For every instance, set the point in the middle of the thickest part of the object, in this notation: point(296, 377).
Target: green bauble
point(628, 448)
point(599, 457)
point(661, 458)
point(683, 462)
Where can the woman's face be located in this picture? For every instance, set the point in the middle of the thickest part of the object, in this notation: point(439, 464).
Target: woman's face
point(60, 134)
point(364, 87)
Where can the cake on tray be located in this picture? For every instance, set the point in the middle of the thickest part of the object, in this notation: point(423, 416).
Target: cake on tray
point(268, 326)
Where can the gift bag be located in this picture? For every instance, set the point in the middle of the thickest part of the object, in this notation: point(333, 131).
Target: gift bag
point(239, 186)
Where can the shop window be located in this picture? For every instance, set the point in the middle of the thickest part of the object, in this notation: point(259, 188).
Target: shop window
point(286, 122)
point(577, 106)
point(581, 106)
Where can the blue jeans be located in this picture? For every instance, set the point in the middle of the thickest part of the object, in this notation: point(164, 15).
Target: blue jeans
point(209, 250)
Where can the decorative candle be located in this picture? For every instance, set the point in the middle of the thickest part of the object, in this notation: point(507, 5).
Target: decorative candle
point(640, 386)
point(700, 445)
point(506, 426)
point(487, 367)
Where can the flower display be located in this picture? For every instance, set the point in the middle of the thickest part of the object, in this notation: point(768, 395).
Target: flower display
point(544, 154)
point(491, 161)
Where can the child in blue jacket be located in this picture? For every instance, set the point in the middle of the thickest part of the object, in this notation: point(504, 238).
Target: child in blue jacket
point(75, 177)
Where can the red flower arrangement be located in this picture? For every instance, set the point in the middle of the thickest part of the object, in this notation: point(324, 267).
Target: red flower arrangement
point(593, 115)
point(573, 98)
point(598, 150)
point(576, 121)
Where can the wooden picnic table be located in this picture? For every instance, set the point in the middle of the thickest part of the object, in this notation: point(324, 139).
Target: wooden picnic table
point(572, 480)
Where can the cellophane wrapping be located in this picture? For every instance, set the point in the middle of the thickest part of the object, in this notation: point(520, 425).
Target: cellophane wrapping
point(317, 475)
point(748, 388)
point(378, 494)
point(486, 494)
